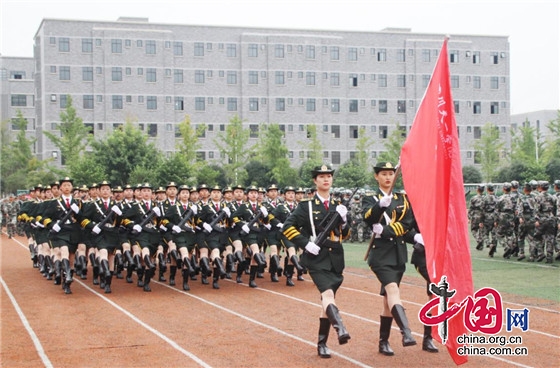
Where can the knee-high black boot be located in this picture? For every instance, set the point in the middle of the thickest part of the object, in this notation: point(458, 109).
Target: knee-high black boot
point(240, 270)
point(186, 276)
point(384, 333)
point(172, 273)
point(400, 317)
point(219, 266)
point(129, 272)
point(336, 322)
point(205, 266)
point(239, 257)
point(83, 261)
point(274, 263)
point(140, 273)
point(252, 275)
point(67, 271)
point(229, 263)
point(427, 341)
point(147, 277)
point(42, 265)
point(128, 258)
point(50, 267)
point(324, 328)
point(188, 266)
point(149, 264)
point(295, 262)
point(137, 261)
point(108, 280)
point(289, 272)
point(216, 277)
point(162, 263)
point(57, 272)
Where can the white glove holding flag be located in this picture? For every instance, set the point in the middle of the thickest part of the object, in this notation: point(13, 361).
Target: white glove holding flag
point(56, 228)
point(377, 228)
point(227, 211)
point(176, 229)
point(419, 239)
point(96, 229)
point(194, 209)
point(268, 226)
point(162, 228)
point(385, 201)
point(245, 229)
point(157, 211)
point(313, 248)
point(116, 210)
point(75, 208)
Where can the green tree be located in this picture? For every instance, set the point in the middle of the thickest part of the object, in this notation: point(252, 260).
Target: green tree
point(471, 174)
point(189, 144)
point(273, 153)
point(174, 168)
point(87, 170)
point(212, 175)
point(257, 173)
point(524, 147)
point(74, 135)
point(393, 145)
point(351, 174)
point(362, 151)
point(232, 145)
point(552, 147)
point(124, 151)
point(489, 147)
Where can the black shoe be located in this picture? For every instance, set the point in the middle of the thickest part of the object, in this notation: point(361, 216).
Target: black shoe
point(289, 282)
point(384, 333)
point(540, 258)
point(336, 322)
point(147, 288)
point(204, 280)
point(260, 275)
point(172, 281)
point(252, 284)
point(300, 278)
point(324, 328)
point(66, 289)
point(273, 277)
point(238, 279)
point(427, 341)
point(479, 246)
point(215, 284)
point(186, 286)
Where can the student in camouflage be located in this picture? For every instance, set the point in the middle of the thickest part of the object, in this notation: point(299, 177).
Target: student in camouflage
point(545, 226)
point(476, 211)
point(557, 240)
point(526, 212)
point(487, 224)
point(505, 221)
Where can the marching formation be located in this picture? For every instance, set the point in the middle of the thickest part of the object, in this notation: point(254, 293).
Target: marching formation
point(514, 218)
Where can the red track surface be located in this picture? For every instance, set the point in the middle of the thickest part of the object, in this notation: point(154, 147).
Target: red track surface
point(271, 326)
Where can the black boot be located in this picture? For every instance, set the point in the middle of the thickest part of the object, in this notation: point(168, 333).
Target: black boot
point(67, 271)
point(147, 277)
point(83, 261)
point(140, 273)
point(162, 264)
point(149, 264)
point(50, 267)
point(259, 258)
point(273, 268)
point(196, 266)
point(128, 258)
point(479, 246)
point(137, 261)
point(427, 341)
point(336, 322)
point(384, 333)
point(95, 269)
point(252, 275)
point(295, 262)
point(205, 267)
point(240, 270)
point(186, 275)
point(172, 273)
point(239, 257)
point(507, 253)
point(219, 267)
point(174, 255)
point(57, 272)
point(400, 317)
point(104, 269)
point(216, 277)
point(324, 328)
point(42, 264)
point(129, 271)
point(289, 272)
point(188, 266)
point(229, 263)
point(108, 280)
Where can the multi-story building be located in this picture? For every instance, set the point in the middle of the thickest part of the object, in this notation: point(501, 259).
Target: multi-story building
point(340, 82)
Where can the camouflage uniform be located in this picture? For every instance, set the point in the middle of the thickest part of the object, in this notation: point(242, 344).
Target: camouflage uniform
point(505, 221)
point(356, 216)
point(557, 240)
point(526, 212)
point(476, 211)
point(546, 220)
point(516, 195)
point(489, 220)
point(10, 209)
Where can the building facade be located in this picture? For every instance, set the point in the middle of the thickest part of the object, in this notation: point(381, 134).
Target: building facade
point(346, 84)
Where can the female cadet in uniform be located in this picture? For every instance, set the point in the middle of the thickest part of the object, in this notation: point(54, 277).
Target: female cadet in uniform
point(390, 215)
point(325, 262)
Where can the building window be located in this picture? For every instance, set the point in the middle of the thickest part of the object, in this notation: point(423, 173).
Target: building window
point(179, 103)
point(335, 53)
point(494, 58)
point(280, 104)
point(64, 44)
point(152, 130)
point(352, 54)
point(199, 76)
point(232, 104)
point(335, 105)
point(310, 78)
point(279, 77)
point(231, 77)
point(494, 108)
point(253, 130)
point(310, 52)
point(353, 132)
point(178, 48)
point(335, 79)
point(382, 80)
point(477, 108)
point(87, 73)
point(128, 99)
point(253, 50)
point(140, 71)
point(151, 102)
point(64, 73)
point(425, 80)
point(383, 131)
point(231, 50)
point(401, 106)
point(353, 80)
point(453, 56)
point(117, 102)
point(88, 102)
point(199, 103)
point(199, 49)
point(454, 81)
point(87, 45)
point(253, 77)
point(116, 74)
point(426, 55)
point(253, 104)
point(477, 132)
point(353, 105)
point(310, 105)
point(335, 157)
point(382, 106)
point(116, 46)
point(401, 55)
point(456, 106)
point(476, 57)
point(381, 55)
point(19, 100)
point(494, 83)
point(151, 75)
point(401, 80)
point(63, 101)
point(279, 51)
point(178, 75)
point(150, 47)
point(140, 99)
point(476, 82)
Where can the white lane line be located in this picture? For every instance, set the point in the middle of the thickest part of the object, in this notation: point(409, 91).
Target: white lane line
point(261, 324)
point(34, 338)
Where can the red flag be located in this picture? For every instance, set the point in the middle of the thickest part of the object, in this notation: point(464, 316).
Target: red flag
point(433, 180)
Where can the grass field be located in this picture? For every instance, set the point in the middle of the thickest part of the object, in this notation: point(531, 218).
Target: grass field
point(536, 280)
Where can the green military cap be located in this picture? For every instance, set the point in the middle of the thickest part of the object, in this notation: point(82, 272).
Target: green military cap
point(544, 184)
point(118, 189)
point(184, 187)
point(272, 187)
point(139, 186)
point(252, 188)
point(262, 190)
point(227, 189)
point(171, 184)
point(38, 187)
point(490, 187)
point(289, 188)
point(528, 186)
point(48, 187)
point(160, 190)
point(300, 190)
point(83, 188)
point(194, 189)
point(128, 186)
point(380, 166)
point(55, 184)
point(66, 178)
point(323, 169)
point(216, 187)
point(145, 186)
point(202, 186)
point(239, 186)
point(103, 183)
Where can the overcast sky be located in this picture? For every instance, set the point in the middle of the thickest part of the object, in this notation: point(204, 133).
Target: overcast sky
point(533, 27)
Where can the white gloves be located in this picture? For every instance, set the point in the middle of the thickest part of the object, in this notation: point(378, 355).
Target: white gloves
point(162, 228)
point(377, 228)
point(342, 210)
point(137, 228)
point(39, 224)
point(177, 229)
point(268, 226)
point(116, 210)
point(279, 225)
point(207, 227)
point(56, 228)
point(385, 201)
point(313, 248)
point(227, 211)
point(245, 229)
point(194, 209)
point(96, 229)
point(419, 239)
point(157, 211)
point(75, 208)
point(264, 211)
